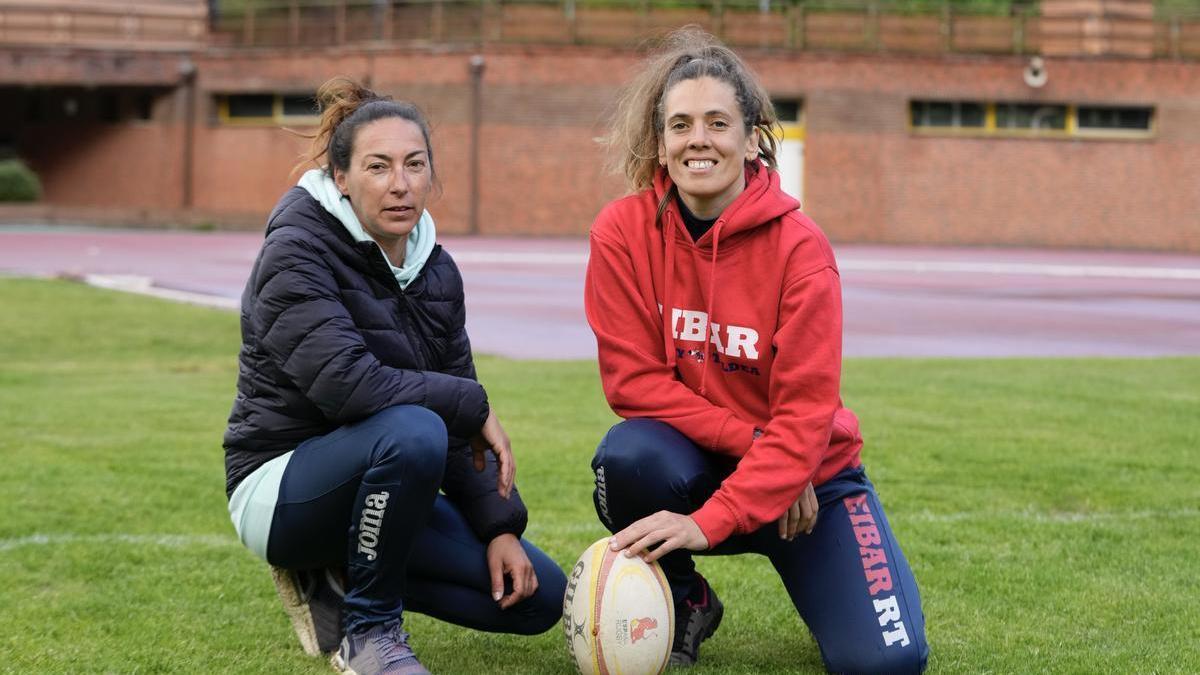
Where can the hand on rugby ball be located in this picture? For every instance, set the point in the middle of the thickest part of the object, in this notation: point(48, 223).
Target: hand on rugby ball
point(669, 530)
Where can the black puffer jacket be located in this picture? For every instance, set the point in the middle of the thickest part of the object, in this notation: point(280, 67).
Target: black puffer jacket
point(329, 338)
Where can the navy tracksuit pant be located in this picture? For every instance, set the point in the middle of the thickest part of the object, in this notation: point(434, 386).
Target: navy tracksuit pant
point(849, 579)
point(365, 496)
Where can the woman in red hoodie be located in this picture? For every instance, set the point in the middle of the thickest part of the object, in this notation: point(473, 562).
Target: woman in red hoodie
point(716, 306)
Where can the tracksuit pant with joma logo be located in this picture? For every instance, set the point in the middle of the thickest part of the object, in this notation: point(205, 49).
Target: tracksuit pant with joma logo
point(366, 496)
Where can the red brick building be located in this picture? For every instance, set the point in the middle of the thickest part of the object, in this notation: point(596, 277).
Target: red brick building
point(938, 129)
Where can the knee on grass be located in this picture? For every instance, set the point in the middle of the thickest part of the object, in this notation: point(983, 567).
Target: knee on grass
point(866, 661)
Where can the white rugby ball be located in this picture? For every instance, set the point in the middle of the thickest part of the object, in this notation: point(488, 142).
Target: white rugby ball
point(618, 615)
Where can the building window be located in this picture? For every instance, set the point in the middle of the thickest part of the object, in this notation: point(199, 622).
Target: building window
point(787, 110)
point(1093, 118)
point(948, 114)
point(1043, 120)
point(256, 109)
point(300, 106)
point(251, 106)
point(1034, 116)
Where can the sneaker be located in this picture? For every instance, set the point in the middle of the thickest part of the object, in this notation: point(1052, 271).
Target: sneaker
point(696, 619)
point(381, 649)
point(313, 601)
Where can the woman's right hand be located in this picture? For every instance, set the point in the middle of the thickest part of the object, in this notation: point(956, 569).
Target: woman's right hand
point(493, 438)
point(670, 531)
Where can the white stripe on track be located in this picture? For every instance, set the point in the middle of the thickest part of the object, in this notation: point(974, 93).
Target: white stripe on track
point(889, 265)
point(142, 285)
point(1021, 269)
point(520, 257)
point(164, 540)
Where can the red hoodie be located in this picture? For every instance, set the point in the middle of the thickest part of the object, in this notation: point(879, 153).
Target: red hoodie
point(751, 339)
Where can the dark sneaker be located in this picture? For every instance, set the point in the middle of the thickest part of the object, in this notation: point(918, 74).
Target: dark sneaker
point(313, 601)
point(382, 649)
point(696, 619)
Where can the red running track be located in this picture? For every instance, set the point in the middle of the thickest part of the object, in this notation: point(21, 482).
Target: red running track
point(524, 295)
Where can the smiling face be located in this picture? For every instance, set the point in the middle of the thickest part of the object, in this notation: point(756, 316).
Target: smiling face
point(704, 144)
point(388, 180)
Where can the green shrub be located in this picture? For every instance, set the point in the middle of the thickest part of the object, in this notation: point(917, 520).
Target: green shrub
point(17, 182)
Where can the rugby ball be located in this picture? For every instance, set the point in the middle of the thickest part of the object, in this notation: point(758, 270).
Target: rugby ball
point(618, 615)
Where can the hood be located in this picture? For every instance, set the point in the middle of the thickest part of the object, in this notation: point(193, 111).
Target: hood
point(420, 241)
point(761, 202)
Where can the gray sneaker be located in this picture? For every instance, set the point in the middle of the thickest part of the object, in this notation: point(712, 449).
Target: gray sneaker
point(696, 619)
point(382, 649)
point(313, 602)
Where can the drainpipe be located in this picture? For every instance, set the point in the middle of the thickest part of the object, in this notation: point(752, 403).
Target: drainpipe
point(187, 70)
point(477, 66)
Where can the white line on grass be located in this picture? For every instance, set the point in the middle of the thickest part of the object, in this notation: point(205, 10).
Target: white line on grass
point(1053, 517)
point(166, 540)
point(538, 530)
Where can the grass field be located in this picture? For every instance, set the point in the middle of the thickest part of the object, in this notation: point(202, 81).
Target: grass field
point(1050, 508)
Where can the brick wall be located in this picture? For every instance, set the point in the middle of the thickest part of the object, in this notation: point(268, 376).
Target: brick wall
point(868, 178)
point(127, 165)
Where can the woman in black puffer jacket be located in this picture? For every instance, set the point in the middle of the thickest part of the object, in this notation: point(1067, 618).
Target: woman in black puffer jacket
point(357, 401)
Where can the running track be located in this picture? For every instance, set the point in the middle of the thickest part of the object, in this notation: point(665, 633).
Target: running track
point(524, 295)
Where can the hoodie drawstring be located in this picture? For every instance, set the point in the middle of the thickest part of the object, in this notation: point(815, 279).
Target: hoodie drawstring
point(669, 280)
point(712, 288)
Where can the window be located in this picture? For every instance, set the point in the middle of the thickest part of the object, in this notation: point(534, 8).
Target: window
point(252, 109)
point(787, 110)
point(1034, 116)
point(1043, 120)
point(300, 106)
point(1092, 118)
point(252, 106)
point(949, 114)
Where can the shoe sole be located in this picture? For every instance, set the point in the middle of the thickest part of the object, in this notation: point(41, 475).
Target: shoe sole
point(340, 666)
point(296, 607)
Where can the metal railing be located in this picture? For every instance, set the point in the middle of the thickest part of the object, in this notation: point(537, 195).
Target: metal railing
point(178, 25)
point(896, 26)
point(911, 26)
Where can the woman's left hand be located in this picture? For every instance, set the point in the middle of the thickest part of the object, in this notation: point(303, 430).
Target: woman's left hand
point(506, 558)
point(492, 437)
point(801, 515)
point(673, 530)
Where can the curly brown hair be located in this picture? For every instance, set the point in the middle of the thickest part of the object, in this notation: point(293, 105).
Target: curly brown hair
point(686, 54)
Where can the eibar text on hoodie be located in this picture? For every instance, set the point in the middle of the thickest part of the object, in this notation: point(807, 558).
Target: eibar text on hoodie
point(735, 340)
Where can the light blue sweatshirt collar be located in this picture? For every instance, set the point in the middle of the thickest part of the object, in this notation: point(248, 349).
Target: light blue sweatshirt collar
point(420, 240)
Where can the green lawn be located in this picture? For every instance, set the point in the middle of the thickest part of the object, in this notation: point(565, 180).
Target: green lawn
point(1050, 508)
